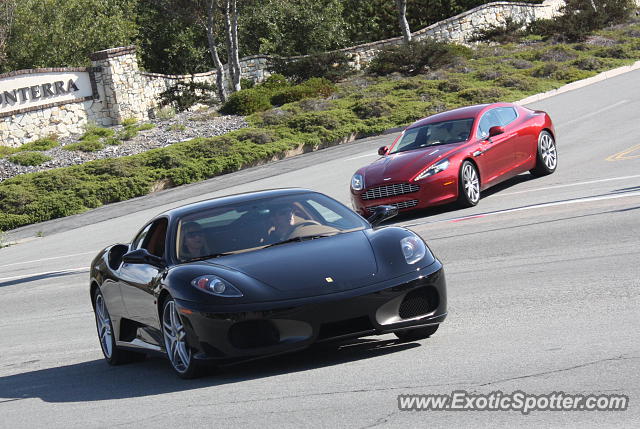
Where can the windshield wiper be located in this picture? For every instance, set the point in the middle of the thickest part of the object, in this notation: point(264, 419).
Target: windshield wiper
point(301, 238)
point(214, 255)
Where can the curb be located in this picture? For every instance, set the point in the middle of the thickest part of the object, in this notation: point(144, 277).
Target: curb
point(580, 83)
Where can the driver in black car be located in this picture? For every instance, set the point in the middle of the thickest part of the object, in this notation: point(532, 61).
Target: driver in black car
point(194, 243)
point(282, 223)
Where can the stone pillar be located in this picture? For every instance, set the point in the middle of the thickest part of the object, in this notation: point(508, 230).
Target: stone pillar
point(122, 85)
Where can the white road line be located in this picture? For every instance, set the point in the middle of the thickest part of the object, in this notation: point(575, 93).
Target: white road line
point(362, 156)
point(589, 115)
point(531, 207)
point(24, 276)
point(47, 259)
point(566, 186)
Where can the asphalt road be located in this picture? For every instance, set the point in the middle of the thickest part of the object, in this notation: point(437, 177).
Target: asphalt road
point(544, 295)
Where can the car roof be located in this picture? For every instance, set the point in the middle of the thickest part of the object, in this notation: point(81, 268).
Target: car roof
point(459, 113)
point(231, 199)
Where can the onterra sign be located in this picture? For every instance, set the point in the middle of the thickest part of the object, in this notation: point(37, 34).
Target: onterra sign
point(31, 90)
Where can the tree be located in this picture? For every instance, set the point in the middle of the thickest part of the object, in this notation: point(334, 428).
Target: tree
point(401, 5)
point(7, 9)
point(62, 33)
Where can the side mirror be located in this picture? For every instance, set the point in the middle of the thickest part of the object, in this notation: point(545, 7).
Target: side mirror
point(494, 131)
point(383, 150)
point(382, 213)
point(142, 256)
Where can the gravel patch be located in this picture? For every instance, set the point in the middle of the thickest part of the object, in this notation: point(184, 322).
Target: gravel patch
point(183, 126)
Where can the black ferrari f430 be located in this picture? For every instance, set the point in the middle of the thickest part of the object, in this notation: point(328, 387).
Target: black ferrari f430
point(259, 274)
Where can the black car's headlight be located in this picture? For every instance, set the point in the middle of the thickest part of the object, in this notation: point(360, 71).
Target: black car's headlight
point(215, 286)
point(435, 168)
point(413, 249)
point(357, 182)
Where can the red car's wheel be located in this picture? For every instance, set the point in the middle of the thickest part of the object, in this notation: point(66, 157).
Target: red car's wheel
point(547, 156)
point(468, 185)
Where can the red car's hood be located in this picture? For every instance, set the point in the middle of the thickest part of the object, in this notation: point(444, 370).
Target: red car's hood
point(402, 166)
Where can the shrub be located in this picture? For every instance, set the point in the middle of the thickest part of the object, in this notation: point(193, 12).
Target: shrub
point(307, 122)
point(165, 113)
point(144, 127)
point(482, 95)
point(94, 132)
point(291, 94)
point(185, 94)
point(415, 57)
point(614, 52)
point(92, 145)
point(275, 116)
point(127, 133)
point(275, 81)
point(29, 158)
point(314, 105)
point(511, 31)
point(366, 109)
point(256, 136)
point(6, 150)
point(557, 54)
point(40, 144)
point(333, 66)
point(246, 102)
point(246, 83)
point(129, 122)
point(522, 83)
point(451, 85)
point(545, 70)
point(588, 63)
point(579, 18)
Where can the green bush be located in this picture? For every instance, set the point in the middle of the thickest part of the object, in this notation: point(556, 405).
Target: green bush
point(127, 133)
point(313, 87)
point(29, 158)
point(414, 58)
point(246, 102)
point(366, 109)
point(129, 122)
point(275, 81)
point(94, 132)
point(165, 113)
point(333, 66)
point(85, 146)
point(40, 144)
point(482, 95)
point(307, 122)
point(588, 63)
point(185, 94)
point(511, 31)
point(579, 19)
point(257, 136)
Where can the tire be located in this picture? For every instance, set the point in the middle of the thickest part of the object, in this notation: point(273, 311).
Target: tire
point(417, 333)
point(178, 351)
point(468, 185)
point(112, 354)
point(546, 156)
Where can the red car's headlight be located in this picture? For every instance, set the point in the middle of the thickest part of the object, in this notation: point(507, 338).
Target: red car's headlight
point(434, 169)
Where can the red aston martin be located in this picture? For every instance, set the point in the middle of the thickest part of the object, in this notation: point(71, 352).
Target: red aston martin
point(454, 155)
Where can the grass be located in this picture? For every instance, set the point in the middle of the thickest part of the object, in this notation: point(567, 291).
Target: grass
point(361, 105)
point(29, 158)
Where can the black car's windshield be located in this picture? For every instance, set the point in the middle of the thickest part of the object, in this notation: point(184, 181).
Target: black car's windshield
point(262, 223)
point(437, 133)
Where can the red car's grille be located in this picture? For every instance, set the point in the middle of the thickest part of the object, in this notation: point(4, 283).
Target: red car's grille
point(390, 191)
point(400, 205)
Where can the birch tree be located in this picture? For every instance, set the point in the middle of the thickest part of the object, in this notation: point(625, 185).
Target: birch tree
point(401, 5)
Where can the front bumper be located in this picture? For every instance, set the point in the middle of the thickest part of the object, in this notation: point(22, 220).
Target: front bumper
point(414, 299)
point(438, 189)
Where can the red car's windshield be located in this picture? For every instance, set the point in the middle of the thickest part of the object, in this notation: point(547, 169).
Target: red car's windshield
point(445, 132)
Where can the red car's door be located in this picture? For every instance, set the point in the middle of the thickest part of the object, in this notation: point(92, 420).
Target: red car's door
point(494, 155)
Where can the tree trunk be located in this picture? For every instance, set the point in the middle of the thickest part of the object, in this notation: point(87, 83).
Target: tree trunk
point(402, 19)
point(234, 58)
point(227, 26)
point(213, 49)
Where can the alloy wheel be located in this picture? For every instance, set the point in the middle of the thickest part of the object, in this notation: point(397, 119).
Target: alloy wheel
point(175, 338)
point(548, 151)
point(103, 321)
point(471, 183)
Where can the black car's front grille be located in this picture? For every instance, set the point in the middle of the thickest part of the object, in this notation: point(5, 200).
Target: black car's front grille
point(390, 191)
point(345, 327)
point(418, 303)
point(254, 333)
point(401, 205)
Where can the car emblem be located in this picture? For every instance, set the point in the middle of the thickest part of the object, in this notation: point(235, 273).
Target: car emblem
point(387, 178)
point(329, 279)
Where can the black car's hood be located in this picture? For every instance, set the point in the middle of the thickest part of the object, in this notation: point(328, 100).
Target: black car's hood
point(312, 267)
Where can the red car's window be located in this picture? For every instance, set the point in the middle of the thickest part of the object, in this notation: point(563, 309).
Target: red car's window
point(445, 132)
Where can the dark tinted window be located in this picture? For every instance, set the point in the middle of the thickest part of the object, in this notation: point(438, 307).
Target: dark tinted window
point(255, 224)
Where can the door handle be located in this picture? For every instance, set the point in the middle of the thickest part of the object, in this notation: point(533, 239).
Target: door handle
point(478, 152)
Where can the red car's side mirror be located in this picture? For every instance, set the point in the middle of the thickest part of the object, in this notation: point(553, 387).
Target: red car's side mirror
point(494, 131)
point(383, 150)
